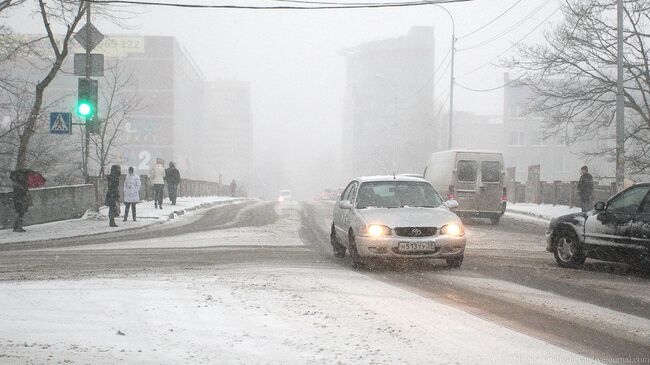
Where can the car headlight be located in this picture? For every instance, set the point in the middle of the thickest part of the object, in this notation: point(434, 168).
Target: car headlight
point(375, 230)
point(452, 229)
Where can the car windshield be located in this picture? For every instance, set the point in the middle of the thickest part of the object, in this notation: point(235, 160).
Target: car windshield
point(397, 194)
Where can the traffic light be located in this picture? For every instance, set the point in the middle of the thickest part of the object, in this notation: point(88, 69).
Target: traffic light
point(87, 98)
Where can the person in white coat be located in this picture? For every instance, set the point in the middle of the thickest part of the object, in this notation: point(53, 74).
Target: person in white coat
point(131, 193)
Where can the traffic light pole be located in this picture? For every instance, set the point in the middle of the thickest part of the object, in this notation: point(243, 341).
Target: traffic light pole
point(86, 119)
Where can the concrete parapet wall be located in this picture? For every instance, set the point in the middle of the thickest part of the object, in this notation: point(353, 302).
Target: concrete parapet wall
point(49, 204)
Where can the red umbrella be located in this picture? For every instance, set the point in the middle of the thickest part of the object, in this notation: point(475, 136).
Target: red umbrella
point(35, 179)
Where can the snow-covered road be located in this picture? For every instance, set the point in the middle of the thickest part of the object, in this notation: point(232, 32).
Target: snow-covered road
point(251, 315)
point(283, 232)
point(256, 291)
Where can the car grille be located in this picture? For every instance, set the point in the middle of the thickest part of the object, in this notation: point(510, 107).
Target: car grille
point(415, 231)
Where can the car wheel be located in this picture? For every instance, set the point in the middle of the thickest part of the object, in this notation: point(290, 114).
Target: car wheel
point(495, 220)
point(455, 262)
point(357, 261)
point(339, 249)
point(567, 250)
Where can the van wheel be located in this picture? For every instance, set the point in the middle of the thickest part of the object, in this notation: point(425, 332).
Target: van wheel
point(495, 220)
point(568, 251)
point(339, 249)
point(357, 261)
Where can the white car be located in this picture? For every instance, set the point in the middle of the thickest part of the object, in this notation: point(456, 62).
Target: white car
point(396, 217)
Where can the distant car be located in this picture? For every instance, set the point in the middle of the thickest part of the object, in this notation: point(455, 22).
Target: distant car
point(285, 195)
point(396, 217)
point(617, 230)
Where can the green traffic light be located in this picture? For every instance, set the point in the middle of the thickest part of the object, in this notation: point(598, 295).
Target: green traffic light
point(84, 109)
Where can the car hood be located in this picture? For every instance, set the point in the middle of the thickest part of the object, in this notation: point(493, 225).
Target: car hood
point(408, 217)
point(573, 218)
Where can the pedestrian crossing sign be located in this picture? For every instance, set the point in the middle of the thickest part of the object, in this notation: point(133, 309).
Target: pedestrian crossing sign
point(60, 123)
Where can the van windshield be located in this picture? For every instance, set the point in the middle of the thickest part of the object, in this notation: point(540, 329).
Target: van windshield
point(397, 194)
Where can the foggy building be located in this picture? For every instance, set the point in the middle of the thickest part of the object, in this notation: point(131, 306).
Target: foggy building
point(170, 123)
point(169, 120)
point(525, 142)
point(481, 132)
point(229, 131)
point(388, 123)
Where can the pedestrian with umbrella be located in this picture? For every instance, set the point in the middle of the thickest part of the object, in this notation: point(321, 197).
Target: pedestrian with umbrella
point(22, 180)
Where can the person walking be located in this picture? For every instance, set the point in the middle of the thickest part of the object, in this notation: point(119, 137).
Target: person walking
point(113, 194)
point(173, 179)
point(585, 189)
point(233, 188)
point(157, 177)
point(131, 193)
point(22, 199)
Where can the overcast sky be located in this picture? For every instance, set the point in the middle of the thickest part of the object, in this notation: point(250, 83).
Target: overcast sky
point(292, 60)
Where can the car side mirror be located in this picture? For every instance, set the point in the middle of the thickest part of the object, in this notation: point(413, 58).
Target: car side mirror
point(451, 204)
point(600, 207)
point(344, 204)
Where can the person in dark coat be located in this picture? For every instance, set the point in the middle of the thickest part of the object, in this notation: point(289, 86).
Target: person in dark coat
point(113, 194)
point(173, 177)
point(22, 199)
point(233, 188)
point(585, 189)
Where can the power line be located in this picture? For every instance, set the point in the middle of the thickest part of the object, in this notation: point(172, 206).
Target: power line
point(442, 106)
point(491, 21)
point(512, 46)
point(491, 89)
point(368, 5)
point(510, 29)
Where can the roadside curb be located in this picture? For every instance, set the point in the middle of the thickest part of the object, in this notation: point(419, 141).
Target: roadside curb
point(155, 221)
point(528, 217)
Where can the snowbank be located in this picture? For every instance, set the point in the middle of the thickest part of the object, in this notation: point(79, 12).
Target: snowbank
point(283, 232)
point(538, 213)
point(94, 223)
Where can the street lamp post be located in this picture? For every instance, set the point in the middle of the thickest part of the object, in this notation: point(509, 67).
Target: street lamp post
point(452, 80)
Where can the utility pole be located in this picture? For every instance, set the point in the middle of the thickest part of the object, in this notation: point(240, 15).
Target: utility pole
point(452, 80)
point(620, 102)
point(87, 118)
point(451, 89)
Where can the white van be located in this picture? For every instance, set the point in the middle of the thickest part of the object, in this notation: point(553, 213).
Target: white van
point(476, 179)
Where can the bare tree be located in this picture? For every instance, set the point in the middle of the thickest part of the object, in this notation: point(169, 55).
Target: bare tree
point(120, 104)
point(7, 4)
point(68, 14)
point(573, 76)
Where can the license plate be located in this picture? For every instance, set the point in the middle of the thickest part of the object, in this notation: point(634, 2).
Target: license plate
point(417, 246)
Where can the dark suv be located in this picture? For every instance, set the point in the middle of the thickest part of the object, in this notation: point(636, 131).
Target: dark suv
point(618, 230)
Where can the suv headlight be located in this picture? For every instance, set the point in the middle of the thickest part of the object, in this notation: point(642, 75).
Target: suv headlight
point(375, 230)
point(452, 229)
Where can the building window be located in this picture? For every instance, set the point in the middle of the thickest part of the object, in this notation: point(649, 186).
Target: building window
point(517, 138)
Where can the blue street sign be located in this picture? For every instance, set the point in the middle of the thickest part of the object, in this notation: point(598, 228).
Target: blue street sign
point(60, 123)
